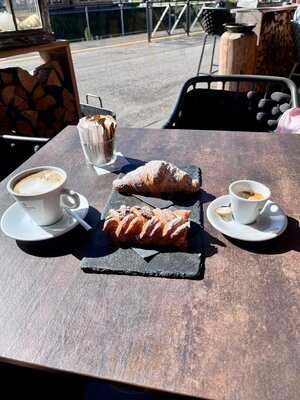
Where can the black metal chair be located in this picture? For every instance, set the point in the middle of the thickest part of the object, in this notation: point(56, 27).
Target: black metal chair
point(212, 20)
point(16, 149)
point(233, 103)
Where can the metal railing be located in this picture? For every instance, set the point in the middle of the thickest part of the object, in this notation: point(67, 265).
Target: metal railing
point(119, 19)
point(179, 14)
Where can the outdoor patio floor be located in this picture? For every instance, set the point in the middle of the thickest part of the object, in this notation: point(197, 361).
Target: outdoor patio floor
point(138, 80)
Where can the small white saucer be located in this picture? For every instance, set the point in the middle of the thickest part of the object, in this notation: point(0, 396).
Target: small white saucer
point(270, 224)
point(16, 224)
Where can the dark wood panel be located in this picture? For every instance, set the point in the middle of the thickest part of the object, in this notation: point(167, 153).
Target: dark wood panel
point(276, 52)
point(232, 335)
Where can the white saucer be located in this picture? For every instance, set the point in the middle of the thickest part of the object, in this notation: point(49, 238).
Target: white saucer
point(16, 224)
point(270, 224)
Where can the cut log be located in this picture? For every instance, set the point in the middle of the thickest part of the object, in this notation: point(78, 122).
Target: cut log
point(20, 103)
point(24, 128)
point(59, 113)
point(56, 92)
point(27, 81)
point(72, 108)
point(5, 126)
point(41, 75)
point(21, 92)
point(44, 130)
point(38, 93)
point(53, 79)
point(13, 115)
point(44, 103)
point(31, 116)
point(70, 117)
point(55, 65)
point(36, 104)
point(3, 112)
point(50, 65)
point(68, 98)
point(8, 94)
point(49, 132)
point(58, 126)
point(7, 77)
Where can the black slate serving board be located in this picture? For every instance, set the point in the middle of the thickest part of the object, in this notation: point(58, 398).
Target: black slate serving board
point(168, 262)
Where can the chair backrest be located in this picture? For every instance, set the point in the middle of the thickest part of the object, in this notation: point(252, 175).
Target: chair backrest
point(212, 20)
point(233, 102)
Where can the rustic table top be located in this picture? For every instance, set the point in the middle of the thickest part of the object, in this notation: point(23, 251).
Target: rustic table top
point(233, 334)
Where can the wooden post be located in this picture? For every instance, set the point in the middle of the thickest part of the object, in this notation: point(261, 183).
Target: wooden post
point(237, 54)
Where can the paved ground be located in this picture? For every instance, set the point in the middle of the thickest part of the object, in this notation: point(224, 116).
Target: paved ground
point(139, 81)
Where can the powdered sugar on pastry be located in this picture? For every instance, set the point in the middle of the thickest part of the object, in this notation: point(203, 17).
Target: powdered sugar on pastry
point(156, 177)
point(144, 226)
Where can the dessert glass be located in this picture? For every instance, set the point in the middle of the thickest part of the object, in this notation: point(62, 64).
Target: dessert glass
point(97, 137)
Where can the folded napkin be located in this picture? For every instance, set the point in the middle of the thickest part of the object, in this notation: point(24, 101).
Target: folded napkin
point(154, 201)
point(119, 163)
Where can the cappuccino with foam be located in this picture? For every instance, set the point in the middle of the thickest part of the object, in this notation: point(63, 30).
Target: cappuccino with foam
point(39, 182)
point(40, 191)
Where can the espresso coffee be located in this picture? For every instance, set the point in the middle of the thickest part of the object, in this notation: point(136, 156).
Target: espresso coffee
point(39, 182)
point(245, 194)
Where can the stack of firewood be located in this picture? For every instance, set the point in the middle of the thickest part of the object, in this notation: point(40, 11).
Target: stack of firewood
point(38, 104)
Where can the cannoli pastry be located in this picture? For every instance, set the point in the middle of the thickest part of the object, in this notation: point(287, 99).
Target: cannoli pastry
point(146, 226)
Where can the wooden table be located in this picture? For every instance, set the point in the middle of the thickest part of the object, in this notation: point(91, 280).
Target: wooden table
point(232, 335)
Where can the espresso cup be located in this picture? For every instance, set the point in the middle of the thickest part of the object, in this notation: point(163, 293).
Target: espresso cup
point(246, 211)
point(44, 208)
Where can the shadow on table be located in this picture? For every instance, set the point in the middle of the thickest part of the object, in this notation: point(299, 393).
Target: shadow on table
point(206, 197)
point(209, 249)
point(289, 240)
point(96, 244)
point(78, 242)
point(96, 390)
point(133, 164)
point(20, 382)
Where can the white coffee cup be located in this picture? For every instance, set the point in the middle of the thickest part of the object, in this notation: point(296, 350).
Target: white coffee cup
point(246, 211)
point(44, 208)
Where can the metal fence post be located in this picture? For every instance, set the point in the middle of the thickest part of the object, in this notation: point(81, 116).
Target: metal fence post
point(149, 19)
point(188, 17)
point(169, 19)
point(87, 22)
point(121, 5)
